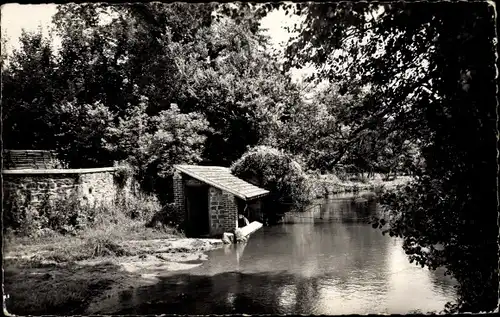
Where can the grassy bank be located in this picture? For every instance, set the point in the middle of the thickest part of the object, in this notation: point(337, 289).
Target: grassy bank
point(326, 185)
point(77, 269)
point(76, 274)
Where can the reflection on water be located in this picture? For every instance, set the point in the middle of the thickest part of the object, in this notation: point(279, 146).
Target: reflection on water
point(313, 267)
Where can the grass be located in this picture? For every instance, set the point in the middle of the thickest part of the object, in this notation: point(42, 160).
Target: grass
point(51, 278)
point(41, 273)
point(101, 240)
point(98, 234)
point(41, 276)
point(57, 290)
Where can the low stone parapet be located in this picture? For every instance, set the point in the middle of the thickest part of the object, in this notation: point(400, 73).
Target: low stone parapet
point(88, 185)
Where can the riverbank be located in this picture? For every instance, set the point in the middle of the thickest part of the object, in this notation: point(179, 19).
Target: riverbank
point(69, 277)
point(327, 185)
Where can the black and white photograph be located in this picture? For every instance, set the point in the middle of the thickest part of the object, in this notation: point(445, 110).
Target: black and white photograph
point(250, 158)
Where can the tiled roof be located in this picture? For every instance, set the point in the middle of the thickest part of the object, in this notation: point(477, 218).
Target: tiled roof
point(221, 177)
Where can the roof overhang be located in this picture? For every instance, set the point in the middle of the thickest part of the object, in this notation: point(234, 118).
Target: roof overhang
point(252, 192)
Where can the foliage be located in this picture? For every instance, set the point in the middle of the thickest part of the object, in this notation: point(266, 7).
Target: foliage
point(159, 139)
point(3, 54)
point(429, 80)
point(167, 216)
point(107, 94)
point(69, 215)
point(238, 85)
point(57, 215)
point(398, 89)
point(19, 216)
point(141, 207)
point(124, 172)
point(277, 172)
point(80, 130)
point(28, 94)
point(153, 144)
point(313, 132)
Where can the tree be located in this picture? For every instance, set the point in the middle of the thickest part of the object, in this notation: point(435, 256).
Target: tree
point(277, 172)
point(79, 133)
point(28, 113)
point(153, 144)
point(240, 89)
point(125, 51)
point(3, 55)
point(429, 70)
point(215, 67)
point(318, 128)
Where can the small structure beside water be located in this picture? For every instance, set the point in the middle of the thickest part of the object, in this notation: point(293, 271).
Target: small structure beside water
point(209, 199)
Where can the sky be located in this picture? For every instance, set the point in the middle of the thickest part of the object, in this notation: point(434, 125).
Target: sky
point(275, 21)
point(16, 17)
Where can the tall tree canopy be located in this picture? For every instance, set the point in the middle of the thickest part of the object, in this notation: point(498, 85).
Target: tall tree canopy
point(116, 55)
point(104, 95)
point(28, 94)
point(430, 78)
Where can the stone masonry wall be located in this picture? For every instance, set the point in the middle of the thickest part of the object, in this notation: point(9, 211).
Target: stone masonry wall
point(223, 211)
point(93, 186)
point(179, 199)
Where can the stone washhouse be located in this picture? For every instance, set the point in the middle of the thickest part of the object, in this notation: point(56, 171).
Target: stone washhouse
point(209, 199)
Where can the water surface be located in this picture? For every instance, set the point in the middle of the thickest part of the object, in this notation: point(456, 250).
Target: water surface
point(324, 261)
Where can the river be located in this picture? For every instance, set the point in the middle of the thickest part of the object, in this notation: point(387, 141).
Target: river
point(324, 261)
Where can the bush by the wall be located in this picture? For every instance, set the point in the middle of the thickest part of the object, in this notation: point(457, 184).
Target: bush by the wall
point(277, 172)
point(123, 173)
point(19, 216)
point(69, 216)
point(142, 207)
point(167, 216)
point(61, 215)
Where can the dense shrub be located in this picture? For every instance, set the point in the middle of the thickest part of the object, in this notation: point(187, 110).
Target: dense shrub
point(51, 214)
point(149, 145)
point(141, 207)
point(19, 216)
point(69, 216)
point(167, 217)
point(123, 173)
point(277, 172)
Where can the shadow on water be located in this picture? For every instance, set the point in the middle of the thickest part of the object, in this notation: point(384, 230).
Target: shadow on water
point(230, 292)
point(341, 208)
point(311, 267)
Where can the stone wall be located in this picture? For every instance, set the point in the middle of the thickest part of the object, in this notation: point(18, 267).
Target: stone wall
point(92, 186)
point(179, 199)
point(223, 211)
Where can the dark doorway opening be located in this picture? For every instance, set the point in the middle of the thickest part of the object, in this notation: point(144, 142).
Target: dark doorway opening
point(241, 207)
point(197, 209)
